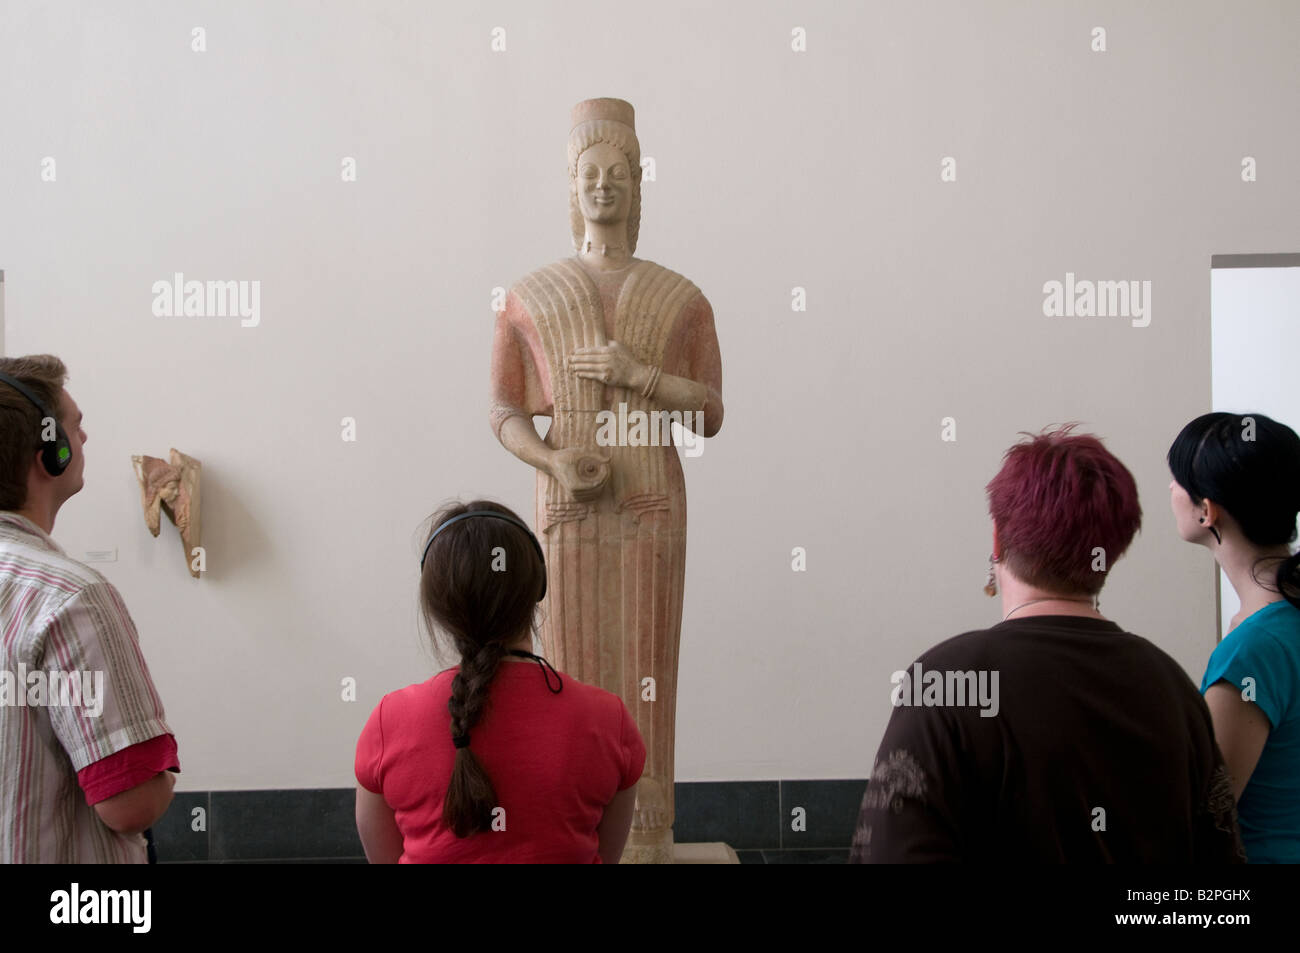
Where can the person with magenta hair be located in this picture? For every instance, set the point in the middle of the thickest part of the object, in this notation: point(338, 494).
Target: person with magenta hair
point(501, 758)
point(1236, 491)
point(1055, 735)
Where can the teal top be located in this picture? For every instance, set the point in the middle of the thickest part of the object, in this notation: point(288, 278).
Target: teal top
point(1261, 658)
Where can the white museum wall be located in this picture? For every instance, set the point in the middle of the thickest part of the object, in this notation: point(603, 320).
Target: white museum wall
point(775, 169)
point(1255, 339)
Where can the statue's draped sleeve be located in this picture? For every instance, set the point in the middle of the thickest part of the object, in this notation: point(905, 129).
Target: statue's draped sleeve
point(520, 377)
point(695, 355)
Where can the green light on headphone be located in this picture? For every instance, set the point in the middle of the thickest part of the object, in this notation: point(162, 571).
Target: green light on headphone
point(64, 454)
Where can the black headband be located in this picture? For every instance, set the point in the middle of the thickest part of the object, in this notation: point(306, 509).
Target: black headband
point(495, 515)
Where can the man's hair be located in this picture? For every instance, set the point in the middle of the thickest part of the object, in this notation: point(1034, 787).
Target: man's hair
point(21, 423)
point(1058, 499)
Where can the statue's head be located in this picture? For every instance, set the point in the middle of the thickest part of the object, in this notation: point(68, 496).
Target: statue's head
point(603, 150)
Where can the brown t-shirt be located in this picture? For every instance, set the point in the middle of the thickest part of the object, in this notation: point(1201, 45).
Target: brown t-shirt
point(1048, 739)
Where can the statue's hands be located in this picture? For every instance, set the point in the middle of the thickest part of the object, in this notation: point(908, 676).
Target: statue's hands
point(581, 472)
point(612, 364)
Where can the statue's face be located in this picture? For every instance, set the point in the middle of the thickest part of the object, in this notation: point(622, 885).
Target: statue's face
point(604, 184)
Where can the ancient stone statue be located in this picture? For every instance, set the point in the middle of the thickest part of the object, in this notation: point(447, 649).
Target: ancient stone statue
point(172, 488)
point(594, 335)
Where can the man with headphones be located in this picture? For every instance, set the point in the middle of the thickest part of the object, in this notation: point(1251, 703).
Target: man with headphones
point(80, 778)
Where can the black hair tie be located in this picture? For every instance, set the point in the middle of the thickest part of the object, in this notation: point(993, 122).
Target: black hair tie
point(547, 670)
point(460, 741)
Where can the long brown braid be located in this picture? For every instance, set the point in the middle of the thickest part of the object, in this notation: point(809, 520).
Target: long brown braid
point(470, 795)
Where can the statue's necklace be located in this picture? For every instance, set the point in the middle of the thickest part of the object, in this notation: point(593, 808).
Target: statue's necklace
point(604, 249)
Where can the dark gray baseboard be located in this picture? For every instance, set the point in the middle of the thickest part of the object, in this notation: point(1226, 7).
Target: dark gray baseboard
point(317, 825)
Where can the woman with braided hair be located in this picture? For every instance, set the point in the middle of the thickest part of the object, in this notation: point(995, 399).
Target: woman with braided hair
point(501, 758)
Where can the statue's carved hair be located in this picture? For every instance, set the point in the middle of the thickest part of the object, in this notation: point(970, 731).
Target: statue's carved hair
point(621, 137)
point(482, 609)
point(20, 421)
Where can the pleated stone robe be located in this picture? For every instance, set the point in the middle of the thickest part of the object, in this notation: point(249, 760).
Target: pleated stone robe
point(615, 565)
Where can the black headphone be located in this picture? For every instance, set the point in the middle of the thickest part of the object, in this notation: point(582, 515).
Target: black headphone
point(56, 454)
point(495, 515)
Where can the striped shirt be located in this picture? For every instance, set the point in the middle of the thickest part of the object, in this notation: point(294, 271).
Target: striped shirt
point(74, 689)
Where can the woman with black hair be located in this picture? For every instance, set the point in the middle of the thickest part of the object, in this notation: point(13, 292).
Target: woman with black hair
point(1236, 491)
point(502, 758)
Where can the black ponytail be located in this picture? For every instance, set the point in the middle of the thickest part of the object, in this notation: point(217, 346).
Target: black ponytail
point(1288, 580)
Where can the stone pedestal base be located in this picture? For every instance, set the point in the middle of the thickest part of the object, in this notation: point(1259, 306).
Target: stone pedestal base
point(714, 852)
point(650, 847)
point(648, 850)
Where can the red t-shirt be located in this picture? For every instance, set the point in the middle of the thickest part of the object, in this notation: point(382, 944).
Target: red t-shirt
point(555, 761)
